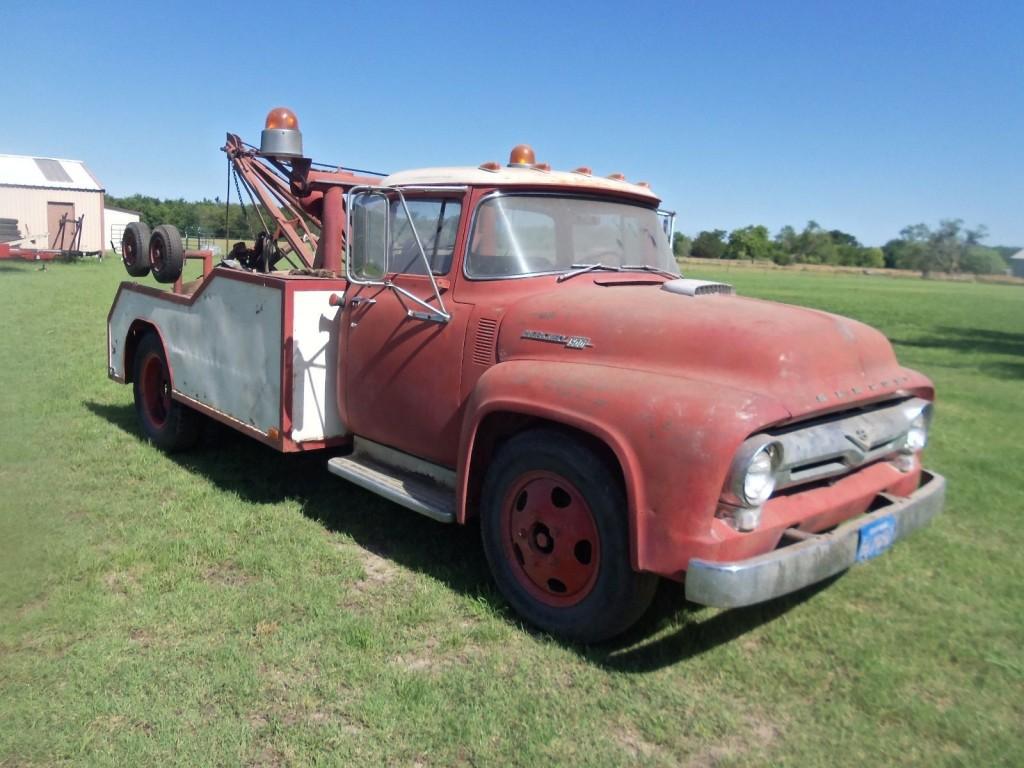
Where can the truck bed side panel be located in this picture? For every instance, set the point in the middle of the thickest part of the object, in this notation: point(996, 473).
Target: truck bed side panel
point(224, 349)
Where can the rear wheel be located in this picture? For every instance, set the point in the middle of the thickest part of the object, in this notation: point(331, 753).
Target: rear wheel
point(135, 249)
point(166, 422)
point(554, 528)
point(166, 254)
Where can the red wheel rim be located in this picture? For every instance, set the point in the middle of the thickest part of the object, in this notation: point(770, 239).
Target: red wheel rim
point(156, 254)
point(156, 389)
point(130, 250)
point(550, 538)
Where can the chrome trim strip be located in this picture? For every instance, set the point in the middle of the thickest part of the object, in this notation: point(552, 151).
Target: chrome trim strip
point(430, 188)
point(785, 570)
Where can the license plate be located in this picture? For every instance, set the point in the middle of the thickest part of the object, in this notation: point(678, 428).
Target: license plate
point(876, 537)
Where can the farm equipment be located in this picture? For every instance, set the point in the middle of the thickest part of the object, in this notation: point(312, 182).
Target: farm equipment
point(13, 245)
point(515, 343)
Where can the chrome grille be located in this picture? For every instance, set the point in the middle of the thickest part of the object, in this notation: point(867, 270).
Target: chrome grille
point(835, 446)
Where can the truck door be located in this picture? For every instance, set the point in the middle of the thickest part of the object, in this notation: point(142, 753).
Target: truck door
point(402, 336)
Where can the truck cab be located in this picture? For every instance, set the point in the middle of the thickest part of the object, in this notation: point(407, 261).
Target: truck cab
point(516, 344)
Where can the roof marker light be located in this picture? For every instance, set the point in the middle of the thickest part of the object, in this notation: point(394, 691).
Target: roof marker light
point(493, 166)
point(545, 167)
point(521, 156)
point(584, 170)
point(617, 176)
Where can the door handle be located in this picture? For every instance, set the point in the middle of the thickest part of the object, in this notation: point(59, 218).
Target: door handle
point(355, 301)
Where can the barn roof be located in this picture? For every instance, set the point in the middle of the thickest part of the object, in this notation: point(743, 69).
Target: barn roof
point(107, 207)
point(1019, 255)
point(46, 173)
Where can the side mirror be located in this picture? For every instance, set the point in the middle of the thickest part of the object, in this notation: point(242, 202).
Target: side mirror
point(366, 259)
point(368, 247)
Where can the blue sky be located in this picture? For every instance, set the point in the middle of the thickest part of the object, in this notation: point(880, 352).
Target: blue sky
point(865, 116)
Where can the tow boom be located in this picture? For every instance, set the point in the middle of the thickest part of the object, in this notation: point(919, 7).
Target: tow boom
point(307, 206)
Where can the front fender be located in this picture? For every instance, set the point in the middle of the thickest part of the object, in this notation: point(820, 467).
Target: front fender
point(674, 439)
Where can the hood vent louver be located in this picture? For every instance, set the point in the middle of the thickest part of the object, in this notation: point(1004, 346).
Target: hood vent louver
point(486, 338)
point(688, 287)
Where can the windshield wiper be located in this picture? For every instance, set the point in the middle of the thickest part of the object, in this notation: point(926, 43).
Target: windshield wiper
point(579, 269)
point(649, 268)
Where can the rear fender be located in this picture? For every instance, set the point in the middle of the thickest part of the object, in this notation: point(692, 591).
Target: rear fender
point(138, 329)
point(123, 335)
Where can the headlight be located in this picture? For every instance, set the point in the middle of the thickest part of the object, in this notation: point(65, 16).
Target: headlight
point(917, 434)
point(759, 480)
point(753, 475)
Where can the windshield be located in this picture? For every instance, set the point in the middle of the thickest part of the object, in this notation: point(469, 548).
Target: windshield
point(516, 235)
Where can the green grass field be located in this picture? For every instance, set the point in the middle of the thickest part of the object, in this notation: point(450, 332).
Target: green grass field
point(234, 606)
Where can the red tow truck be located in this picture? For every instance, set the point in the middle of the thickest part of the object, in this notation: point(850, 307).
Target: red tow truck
point(516, 343)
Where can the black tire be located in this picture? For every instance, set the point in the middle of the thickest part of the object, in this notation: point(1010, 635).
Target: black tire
point(166, 254)
point(135, 249)
point(558, 481)
point(170, 425)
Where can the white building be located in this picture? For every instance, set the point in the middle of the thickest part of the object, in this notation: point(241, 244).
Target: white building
point(39, 192)
point(1017, 263)
point(116, 220)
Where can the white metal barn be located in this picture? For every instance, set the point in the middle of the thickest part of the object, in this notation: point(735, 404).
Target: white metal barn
point(1017, 263)
point(39, 191)
point(116, 220)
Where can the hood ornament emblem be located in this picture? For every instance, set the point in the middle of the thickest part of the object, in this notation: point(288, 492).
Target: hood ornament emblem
point(569, 342)
point(861, 438)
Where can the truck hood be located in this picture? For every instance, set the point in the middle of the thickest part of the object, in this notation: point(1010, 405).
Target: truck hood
point(807, 360)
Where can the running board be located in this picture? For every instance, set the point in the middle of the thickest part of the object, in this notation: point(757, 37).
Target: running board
point(410, 489)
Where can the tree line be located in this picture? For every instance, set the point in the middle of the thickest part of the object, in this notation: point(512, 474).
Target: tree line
point(951, 247)
point(206, 217)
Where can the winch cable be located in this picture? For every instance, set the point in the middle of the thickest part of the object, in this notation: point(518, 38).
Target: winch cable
point(227, 209)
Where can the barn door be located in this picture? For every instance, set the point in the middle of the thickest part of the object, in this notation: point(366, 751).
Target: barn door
point(54, 212)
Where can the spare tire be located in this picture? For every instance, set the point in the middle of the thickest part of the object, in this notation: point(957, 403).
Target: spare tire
point(166, 254)
point(135, 249)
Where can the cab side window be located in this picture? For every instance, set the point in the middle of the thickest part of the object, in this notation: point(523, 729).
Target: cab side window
point(436, 222)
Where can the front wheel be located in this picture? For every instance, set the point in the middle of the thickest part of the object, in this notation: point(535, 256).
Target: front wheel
point(554, 528)
point(166, 422)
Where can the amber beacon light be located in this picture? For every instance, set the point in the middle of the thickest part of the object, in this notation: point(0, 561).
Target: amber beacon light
point(521, 156)
point(281, 136)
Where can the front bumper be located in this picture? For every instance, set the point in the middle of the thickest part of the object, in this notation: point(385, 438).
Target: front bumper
point(785, 570)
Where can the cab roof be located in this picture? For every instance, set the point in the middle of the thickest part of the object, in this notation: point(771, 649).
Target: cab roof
point(514, 177)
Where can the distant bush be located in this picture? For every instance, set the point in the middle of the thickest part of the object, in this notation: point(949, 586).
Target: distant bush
point(982, 261)
point(709, 244)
